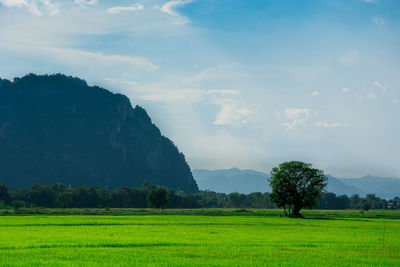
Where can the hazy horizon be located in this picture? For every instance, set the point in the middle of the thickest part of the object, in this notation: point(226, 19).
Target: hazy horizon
point(268, 172)
point(233, 83)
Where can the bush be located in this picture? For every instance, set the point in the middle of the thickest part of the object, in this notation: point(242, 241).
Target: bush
point(18, 204)
point(366, 206)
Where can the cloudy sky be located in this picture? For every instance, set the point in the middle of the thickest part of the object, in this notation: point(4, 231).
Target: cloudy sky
point(232, 82)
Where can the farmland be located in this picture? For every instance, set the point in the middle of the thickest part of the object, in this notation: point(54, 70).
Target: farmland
point(196, 239)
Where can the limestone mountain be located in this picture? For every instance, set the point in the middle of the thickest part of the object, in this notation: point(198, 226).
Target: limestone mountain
point(57, 129)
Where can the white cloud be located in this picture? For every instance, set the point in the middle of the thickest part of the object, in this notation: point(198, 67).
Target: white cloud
point(350, 58)
point(170, 6)
point(133, 8)
point(377, 84)
point(86, 3)
point(14, 3)
point(314, 93)
point(50, 8)
point(191, 95)
point(345, 90)
point(297, 116)
point(378, 20)
point(221, 72)
point(371, 96)
point(36, 7)
point(120, 81)
point(231, 114)
point(81, 57)
point(326, 124)
point(222, 92)
point(277, 115)
point(396, 101)
point(294, 113)
point(369, 1)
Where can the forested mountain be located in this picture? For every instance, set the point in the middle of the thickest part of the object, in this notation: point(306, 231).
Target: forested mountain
point(247, 181)
point(57, 129)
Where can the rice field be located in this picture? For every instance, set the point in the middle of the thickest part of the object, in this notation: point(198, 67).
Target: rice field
point(197, 240)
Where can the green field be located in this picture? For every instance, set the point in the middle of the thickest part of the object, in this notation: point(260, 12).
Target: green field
point(198, 240)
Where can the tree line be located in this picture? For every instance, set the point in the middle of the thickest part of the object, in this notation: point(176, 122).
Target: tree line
point(148, 195)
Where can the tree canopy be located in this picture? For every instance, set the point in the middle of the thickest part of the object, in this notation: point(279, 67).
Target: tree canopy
point(158, 198)
point(50, 196)
point(296, 185)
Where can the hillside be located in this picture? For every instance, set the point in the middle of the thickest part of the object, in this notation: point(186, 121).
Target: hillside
point(341, 187)
point(247, 181)
point(385, 187)
point(57, 129)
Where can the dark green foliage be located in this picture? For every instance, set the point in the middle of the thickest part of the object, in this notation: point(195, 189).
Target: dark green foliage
point(64, 199)
point(236, 200)
point(121, 197)
point(18, 204)
point(366, 206)
point(4, 196)
point(91, 197)
point(332, 202)
point(158, 198)
point(57, 129)
point(375, 202)
point(297, 185)
point(43, 195)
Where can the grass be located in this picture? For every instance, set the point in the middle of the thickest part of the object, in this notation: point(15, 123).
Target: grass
point(194, 238)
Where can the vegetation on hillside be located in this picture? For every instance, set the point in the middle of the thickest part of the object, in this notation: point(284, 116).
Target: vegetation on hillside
point(57, 129)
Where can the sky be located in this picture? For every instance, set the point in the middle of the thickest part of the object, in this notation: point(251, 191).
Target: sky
point(234, 83)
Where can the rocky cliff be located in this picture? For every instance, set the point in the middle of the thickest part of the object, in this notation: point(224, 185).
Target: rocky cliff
point(57, 129)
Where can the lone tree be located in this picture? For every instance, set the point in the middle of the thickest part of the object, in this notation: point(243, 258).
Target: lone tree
point(158, 198)
point(296, 185)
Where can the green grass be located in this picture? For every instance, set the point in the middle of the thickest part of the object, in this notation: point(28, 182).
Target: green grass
point(323, 239)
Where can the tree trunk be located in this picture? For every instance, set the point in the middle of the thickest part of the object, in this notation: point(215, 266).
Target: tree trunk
point(296, 211)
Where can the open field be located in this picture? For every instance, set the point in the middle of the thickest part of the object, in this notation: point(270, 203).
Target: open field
point(194, 240)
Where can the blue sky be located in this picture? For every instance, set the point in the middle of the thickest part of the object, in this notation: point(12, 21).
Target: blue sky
point(232, 82)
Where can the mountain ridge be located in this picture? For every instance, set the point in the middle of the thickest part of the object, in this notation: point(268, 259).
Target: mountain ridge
point(386, 187)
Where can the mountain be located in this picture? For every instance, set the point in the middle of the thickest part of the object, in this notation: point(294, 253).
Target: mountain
point(247, 181)
point(340, 187)
point(232, 180)
point(57, 129)
point(381, 186)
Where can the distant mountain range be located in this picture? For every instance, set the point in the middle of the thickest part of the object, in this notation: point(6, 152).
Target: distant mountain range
point(248, 181)
point(232, 180)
